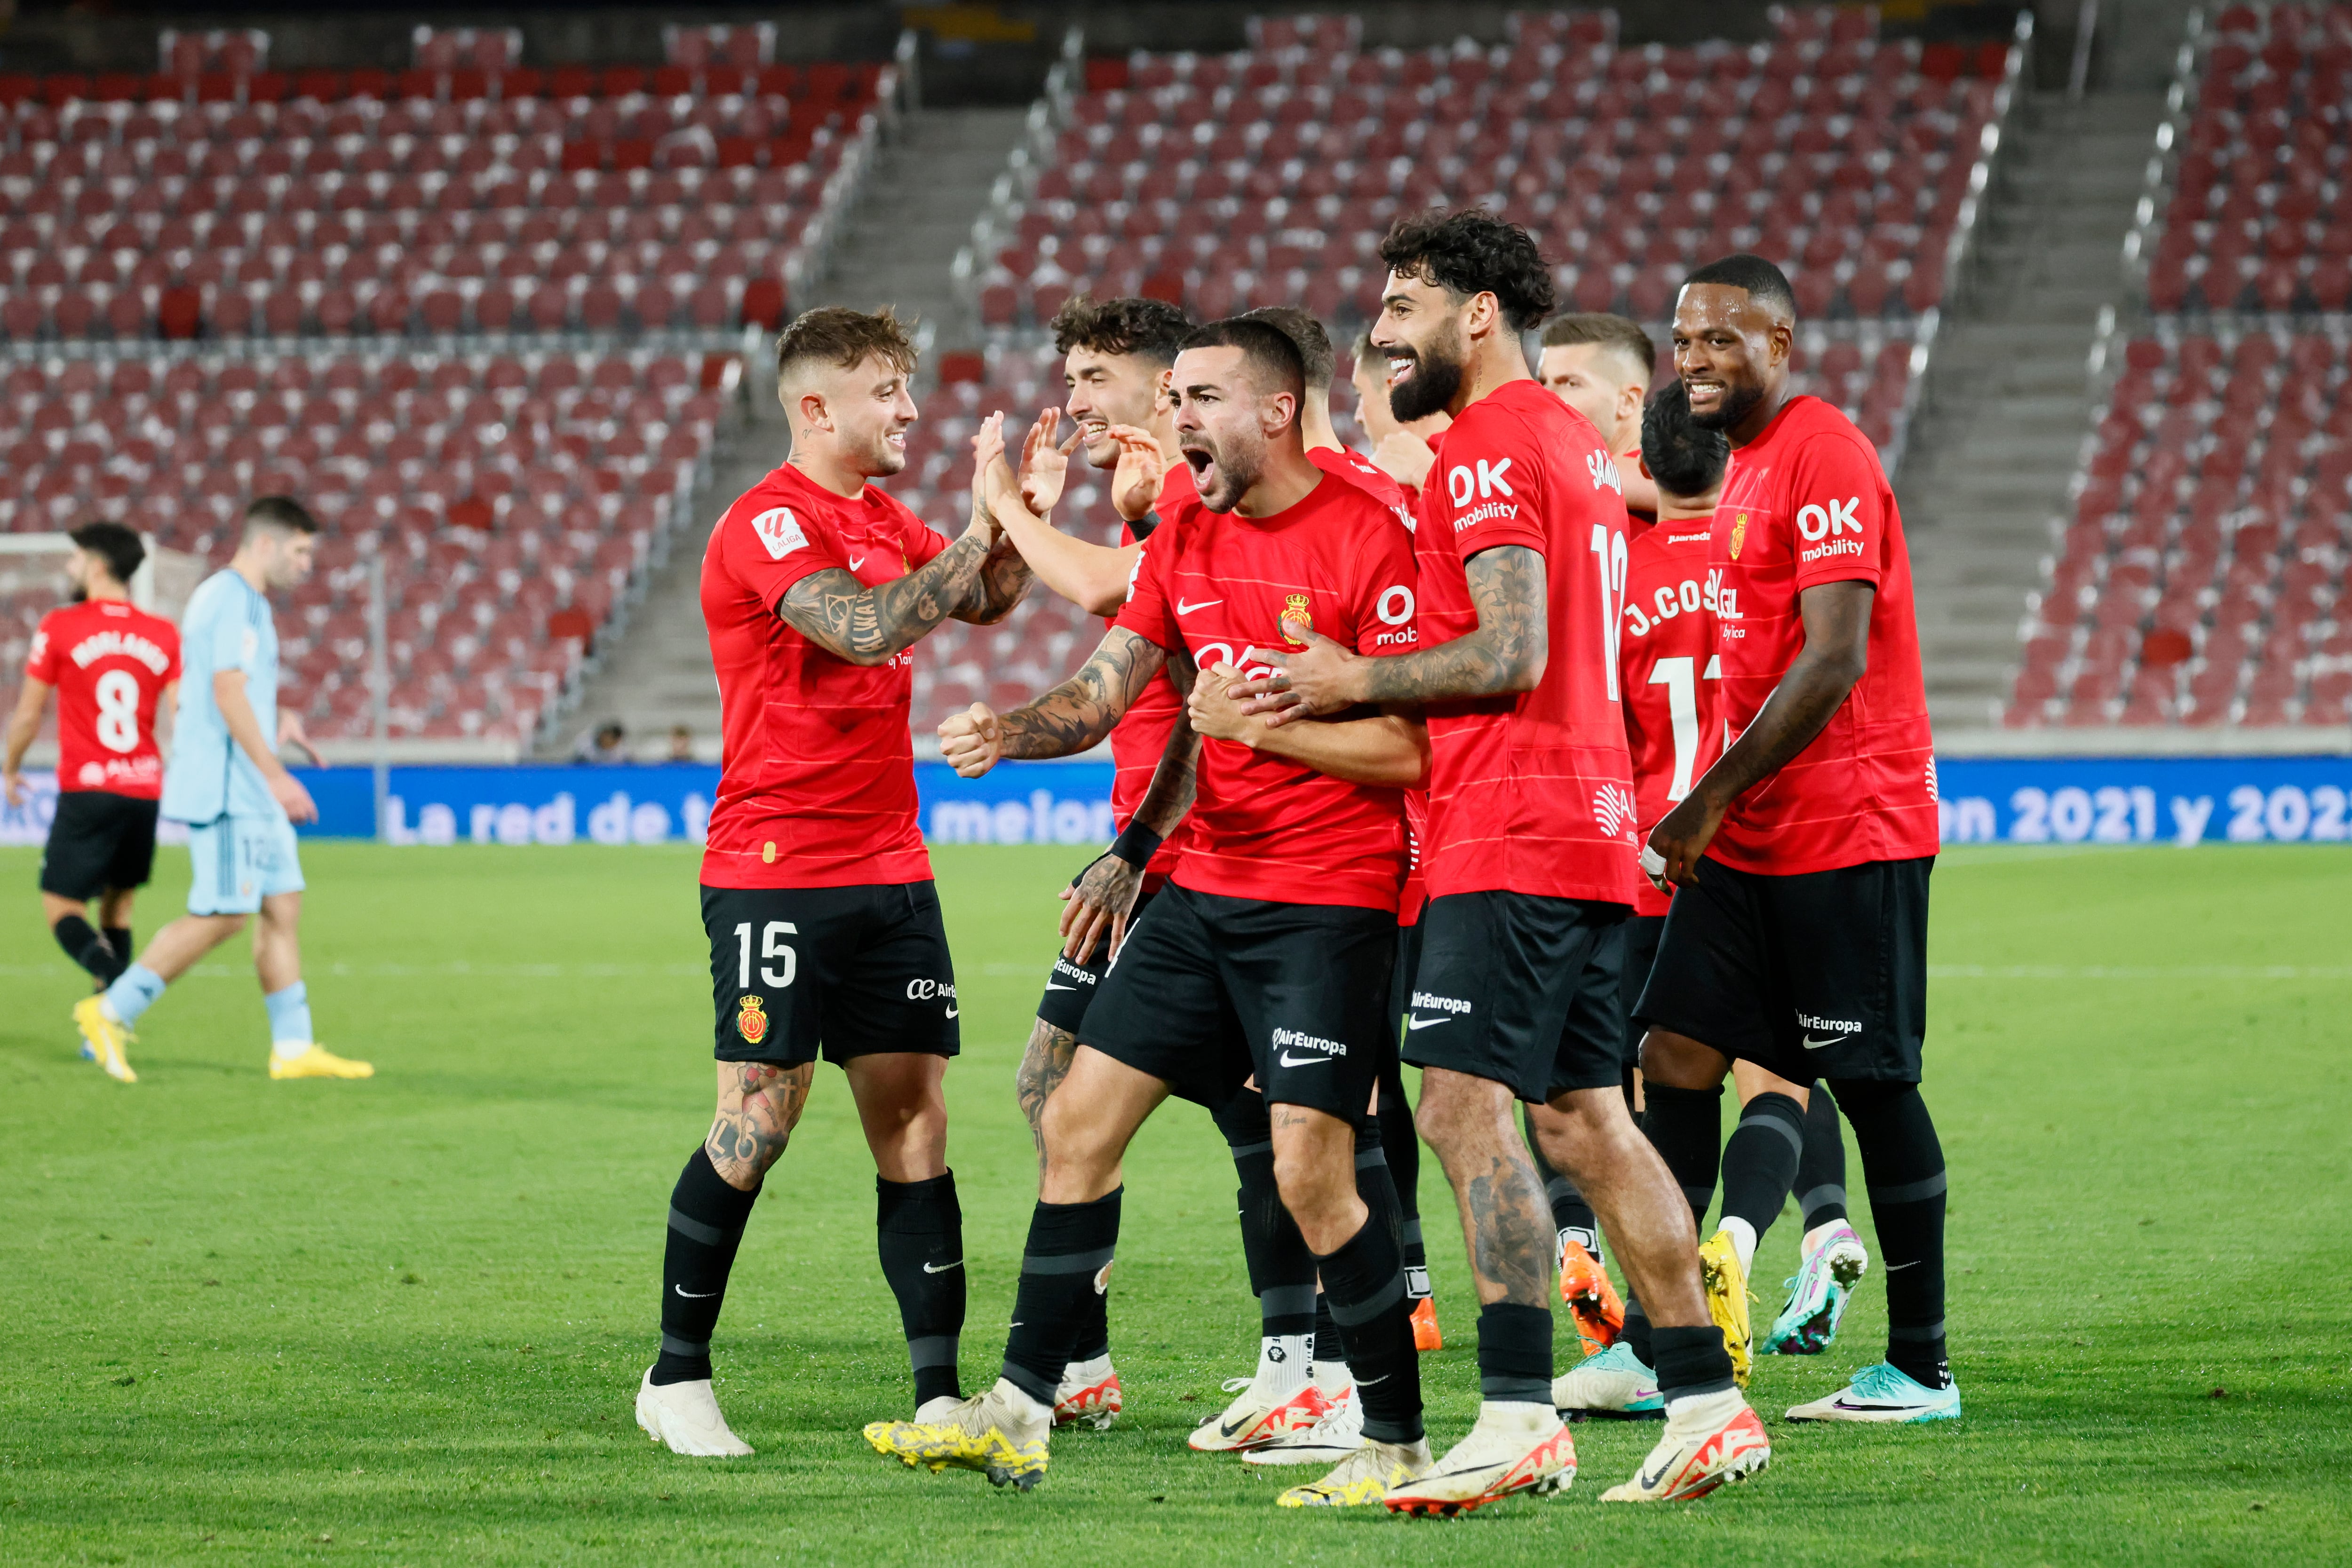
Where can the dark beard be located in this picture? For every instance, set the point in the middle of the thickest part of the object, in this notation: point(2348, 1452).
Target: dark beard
point(1737, 404)
point(1429, 390)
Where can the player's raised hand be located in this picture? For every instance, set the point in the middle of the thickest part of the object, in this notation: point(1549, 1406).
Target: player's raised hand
point(1134, 479)
point(1045, 466)
point(971, 741)
point(1670, 860)
point(1404, 457)
point(987, 452)
point(1319, 678)
point(1215, 711)
point(287, 791)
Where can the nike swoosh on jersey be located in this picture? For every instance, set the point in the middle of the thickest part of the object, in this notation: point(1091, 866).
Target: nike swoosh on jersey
point(1812, 1044)
point(855, 562)
point(1289, 1060)
point(942, 1267)
point(1427, 1023)
point(1184, 609)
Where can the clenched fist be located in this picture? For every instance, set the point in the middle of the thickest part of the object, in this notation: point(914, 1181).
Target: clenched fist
point(973, 742)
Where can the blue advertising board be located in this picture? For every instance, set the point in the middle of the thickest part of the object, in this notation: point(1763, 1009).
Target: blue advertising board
point(2013, 800)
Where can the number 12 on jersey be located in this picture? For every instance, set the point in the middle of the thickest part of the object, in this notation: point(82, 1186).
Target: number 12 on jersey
point(1609, 547)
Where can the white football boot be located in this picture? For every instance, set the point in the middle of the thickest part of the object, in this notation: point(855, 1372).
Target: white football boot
point(685, 1418)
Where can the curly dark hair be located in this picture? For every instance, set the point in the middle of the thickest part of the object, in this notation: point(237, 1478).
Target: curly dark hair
point(1152, 329)
point(1471, 251)
point(1685, 459)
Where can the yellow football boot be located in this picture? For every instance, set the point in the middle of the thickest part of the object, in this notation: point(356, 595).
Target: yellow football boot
point(1002, 1433)
point(1727, 1301)
point(1366, 1475)
point(103, 1039)
point(317, 1064)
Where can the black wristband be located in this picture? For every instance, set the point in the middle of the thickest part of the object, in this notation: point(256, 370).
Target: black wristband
point(1136, 844)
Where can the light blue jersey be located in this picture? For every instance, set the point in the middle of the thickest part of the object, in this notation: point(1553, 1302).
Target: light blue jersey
point(227, 626)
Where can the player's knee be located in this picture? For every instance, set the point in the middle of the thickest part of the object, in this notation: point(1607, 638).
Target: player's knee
point(1679, 1062)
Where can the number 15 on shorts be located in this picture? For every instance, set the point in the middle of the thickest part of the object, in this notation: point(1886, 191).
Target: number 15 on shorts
point(772, 946)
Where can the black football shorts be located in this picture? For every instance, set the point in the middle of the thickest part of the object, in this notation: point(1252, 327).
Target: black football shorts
point(1641, 934)
point(850, 971)
point(97, 840)
point(1071, 987)
point(1820, 974)
point(1209, 989)
point(1520, 990)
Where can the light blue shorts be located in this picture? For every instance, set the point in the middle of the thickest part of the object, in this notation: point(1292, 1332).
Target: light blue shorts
point(237, 861)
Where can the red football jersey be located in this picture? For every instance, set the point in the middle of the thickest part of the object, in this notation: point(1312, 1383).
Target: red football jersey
point(1533, 792)
point(1807, 503)
point(1214, 583)
point(110, 661)
point(817, 770)
point(1667, 667)
point(1141, 735)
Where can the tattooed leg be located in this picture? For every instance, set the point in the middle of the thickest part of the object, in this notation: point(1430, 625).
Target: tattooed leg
point(760, 1103)
point(1468, 1120)
point(1043, 1065)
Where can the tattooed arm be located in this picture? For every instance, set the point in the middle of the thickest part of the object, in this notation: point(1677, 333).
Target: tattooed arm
point(1004, 576)
point(1072, 717)
point(1096, 905)
point(870, 625)
point(1508, 652)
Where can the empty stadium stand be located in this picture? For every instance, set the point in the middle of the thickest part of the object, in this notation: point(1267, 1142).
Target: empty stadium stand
point(483, 317)
point(465, 195)
point(2199, 580)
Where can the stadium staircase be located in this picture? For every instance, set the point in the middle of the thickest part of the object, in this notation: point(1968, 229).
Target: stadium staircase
point(927, 182)
point(2000, 430)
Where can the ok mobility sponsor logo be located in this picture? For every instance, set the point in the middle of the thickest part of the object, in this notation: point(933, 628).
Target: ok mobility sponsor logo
point(1285, 1039)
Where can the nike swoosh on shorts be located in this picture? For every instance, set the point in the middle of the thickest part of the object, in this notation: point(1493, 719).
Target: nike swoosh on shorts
point(1289, 1060)
point(1425, 1023)
point(1812, 1044)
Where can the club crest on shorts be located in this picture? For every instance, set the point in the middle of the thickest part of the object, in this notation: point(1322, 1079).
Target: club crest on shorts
point(1296, 613)
point(1739, 534)
point(752, 1020)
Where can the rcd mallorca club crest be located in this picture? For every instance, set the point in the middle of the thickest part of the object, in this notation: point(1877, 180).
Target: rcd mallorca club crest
point(1296, 613)
point(752, 1020)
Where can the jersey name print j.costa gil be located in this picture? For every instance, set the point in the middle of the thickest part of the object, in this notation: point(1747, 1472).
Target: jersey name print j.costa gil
point(1806, 502)
point(817, 779)
point(1667, 667)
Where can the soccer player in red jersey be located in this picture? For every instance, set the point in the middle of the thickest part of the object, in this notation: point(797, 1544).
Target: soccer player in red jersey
point(824, 923)
point(1266, 955)
point(1521, 547)
point(1599, 365)
point(1800, 858)
point(115, 668)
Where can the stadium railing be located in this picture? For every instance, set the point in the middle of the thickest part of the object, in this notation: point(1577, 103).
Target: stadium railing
point(2197, 583)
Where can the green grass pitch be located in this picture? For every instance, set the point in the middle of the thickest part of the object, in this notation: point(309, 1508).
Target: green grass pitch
point(402, 1321)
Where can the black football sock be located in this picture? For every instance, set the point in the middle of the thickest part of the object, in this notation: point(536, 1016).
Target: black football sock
point(1330, 1349)
point(918, 1226)
point(1365, 1279)
point(86, 947)
point(1760, 1162)
point(1903, 1167)
point(1401, 1145)
point(1281, 1268)
point(1570, 1215)
point(706, 1225)
point(1821, 1169)
point(1685, 1126)
point(1690, 1361)
point(1515, 1353)
point(1375, 1186)
point(1070, 1246)
point(1635, 1336)
point(119, 938)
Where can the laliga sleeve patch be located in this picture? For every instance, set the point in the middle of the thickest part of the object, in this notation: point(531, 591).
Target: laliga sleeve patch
point(780, 532)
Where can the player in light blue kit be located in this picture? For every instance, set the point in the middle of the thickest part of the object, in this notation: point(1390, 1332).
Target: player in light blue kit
point(225, 781)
